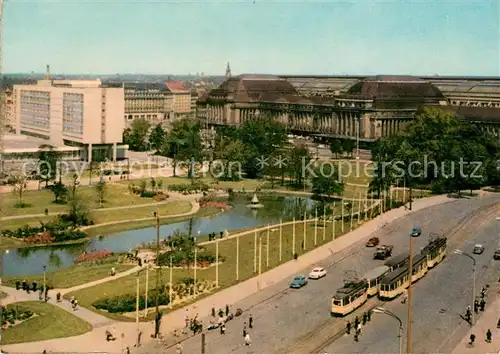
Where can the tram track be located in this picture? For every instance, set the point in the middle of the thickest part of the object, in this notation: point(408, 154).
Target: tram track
point(321, 337)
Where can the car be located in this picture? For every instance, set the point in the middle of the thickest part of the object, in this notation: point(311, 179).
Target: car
point(374, 241)
point(383, 252)
point(496, 255)
point(298, 282)
point(416, 231)
point(317, 273)
point(478, 249)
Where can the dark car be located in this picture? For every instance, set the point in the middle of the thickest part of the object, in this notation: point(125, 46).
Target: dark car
point(298, 282)
point(383, 252)
point(496, 255)
point(416, 231)
point(372, 242)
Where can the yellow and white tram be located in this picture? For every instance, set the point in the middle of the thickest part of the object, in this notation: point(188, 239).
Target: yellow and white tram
point(349, 298)
point(394, 283)
point(373, 278)
point(435, 251)
point(397, 261)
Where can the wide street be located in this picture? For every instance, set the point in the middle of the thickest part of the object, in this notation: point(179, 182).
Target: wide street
point(287, 316)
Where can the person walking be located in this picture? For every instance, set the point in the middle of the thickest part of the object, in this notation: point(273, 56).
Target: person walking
point(356, 322)
point(488, 336)
point(364, 318)
point(348, 327)
point(405, 296)
point(250, 322)
point(178, 348)
point(227, 310)
point(223, 329)
point(482, 305)
point(476, 306)
point(248, 341)
point(472, 339)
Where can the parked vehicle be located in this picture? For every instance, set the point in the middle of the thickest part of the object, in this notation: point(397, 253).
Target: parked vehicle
point(496, 256)
point(317, 273)
point(416, 231)
point(298, 282)
point(478, 249)
point(383, 252)
point(373, 242)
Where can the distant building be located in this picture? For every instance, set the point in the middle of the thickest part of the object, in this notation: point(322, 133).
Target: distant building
point(80, 113)
point(149, 101)
point(8, 97)
point(181, 98)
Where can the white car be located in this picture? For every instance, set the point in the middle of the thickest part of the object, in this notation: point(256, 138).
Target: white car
point(317, 273)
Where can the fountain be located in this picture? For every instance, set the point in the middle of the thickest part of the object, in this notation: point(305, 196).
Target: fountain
point(255, 203)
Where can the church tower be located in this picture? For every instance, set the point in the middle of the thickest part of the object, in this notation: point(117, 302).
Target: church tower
point(228, 71)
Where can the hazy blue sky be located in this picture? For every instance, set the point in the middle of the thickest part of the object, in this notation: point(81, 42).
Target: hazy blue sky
point(292, 37)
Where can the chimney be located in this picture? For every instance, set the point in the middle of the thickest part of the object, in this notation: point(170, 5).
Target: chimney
point(47, 72)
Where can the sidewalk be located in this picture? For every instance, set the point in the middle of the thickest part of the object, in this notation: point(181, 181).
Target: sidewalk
point(94, 340)
point(488, 320)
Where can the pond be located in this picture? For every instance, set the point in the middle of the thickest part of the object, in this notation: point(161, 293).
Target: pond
point(30, 260)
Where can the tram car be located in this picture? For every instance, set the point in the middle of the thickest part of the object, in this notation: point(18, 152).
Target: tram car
point(435, 251)
point(373, 278)
point(349, 298)
point(397, 261)
point(394, 283)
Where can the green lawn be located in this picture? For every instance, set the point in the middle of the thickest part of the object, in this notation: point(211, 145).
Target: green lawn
point(117, 194)
point(51, 322)
point(75, 275)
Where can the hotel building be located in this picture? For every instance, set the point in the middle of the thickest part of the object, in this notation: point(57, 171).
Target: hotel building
point(78, 113)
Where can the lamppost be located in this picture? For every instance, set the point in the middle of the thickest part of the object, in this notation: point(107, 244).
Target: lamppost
point(416, 232)
point(44, 278)
point(137, 296)
point(400, 330)
point(473, 280)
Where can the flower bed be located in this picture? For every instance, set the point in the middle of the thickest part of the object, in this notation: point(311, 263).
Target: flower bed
point(218, 205)
point(41, 237)
point(93, 256)
point(13, 315)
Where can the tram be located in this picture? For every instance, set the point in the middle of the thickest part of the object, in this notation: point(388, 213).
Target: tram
point(397, 261)
point(394, 283)
point(435, 251)
point(349, 298)
point(373, 278)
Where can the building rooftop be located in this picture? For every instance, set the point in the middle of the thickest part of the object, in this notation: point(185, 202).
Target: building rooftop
point(176, 87)
point(24, 143)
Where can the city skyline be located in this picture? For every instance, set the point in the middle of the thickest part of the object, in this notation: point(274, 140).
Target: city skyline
point(355, 38)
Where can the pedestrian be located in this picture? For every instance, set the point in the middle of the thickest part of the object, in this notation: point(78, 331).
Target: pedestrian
point(250, 321)
point(227, 310)
point(476, 306)
point(405, 296)
point(369, 315)
point(34, 286)
point(223, 329)
point(248, 341)
point(472, 339)
point(488, 336)
point(75, 305)
point(498, 323)
point(482, 304)
point(348, 327)
point(356, 322)
point(364, 318)
point(356, 336)
point(24, 285)
point(128, 350)
point(18, 284)
point(178, 348)
point(113, 272)
point(221, 234)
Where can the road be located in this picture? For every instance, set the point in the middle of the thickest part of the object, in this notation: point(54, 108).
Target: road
point(439, 300)
point(288, 315)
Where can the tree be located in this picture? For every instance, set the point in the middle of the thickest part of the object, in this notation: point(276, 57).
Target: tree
point(101, 189)
point(299, 158)
point(18, 181)
point(157, 138)
point(325, 183)
point(136, 136)
point(231, 156)
point(153, 184)
point(78, 209)
point(336, 147)
point(60, 193)
point(48, 160)
point(348, 146)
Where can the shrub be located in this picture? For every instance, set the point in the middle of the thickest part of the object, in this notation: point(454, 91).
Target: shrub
point(93, 256)
point(127, 302)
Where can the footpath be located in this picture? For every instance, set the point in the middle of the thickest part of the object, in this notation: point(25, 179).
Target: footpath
point(127, 332)
point(488, 320)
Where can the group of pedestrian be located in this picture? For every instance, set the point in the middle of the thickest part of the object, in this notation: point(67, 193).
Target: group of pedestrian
point(479, 305)
point(358, 323)
point(26, 287)
point(246, 334)
point(212, 236)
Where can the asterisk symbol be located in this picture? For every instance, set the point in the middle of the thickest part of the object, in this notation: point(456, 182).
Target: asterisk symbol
point(262, 162)
point(280, 161)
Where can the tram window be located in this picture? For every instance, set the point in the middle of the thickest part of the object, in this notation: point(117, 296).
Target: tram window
point(337, 302)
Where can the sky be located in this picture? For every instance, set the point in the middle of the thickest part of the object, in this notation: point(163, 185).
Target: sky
point(273, 37)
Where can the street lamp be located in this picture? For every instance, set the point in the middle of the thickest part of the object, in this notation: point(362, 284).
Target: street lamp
point(473, 280)
point(400, 331)
point(44, 278)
